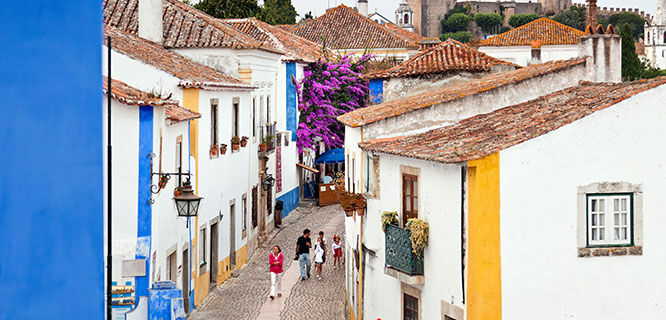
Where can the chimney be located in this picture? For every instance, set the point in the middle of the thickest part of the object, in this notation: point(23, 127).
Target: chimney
point(362, 7)
point(536, 52)
point(150, 20)
point(428, 43)
point(603, 52)
point(591, 19)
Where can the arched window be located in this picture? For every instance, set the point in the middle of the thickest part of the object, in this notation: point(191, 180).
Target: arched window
point(664, 37)
point(406, 19)
point(648, 38)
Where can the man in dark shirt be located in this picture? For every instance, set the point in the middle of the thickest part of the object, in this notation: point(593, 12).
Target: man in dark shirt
point(303, 253)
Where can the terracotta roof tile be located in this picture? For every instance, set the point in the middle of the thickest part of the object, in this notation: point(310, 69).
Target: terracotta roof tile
point(449, 56)
point(294, 47)
point(184, 26)
point(485, 134)
point(547, 31)
point(190, 72)
point(344, 28)
point(287, 27)
point(401, 106)
point(406, 34)
point(129, 95)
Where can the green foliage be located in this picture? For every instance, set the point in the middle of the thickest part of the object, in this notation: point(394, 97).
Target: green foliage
point(574, 17)
point(636, 22)
point(488, 22)
point(456, 9)
point(229, 9)
point(504, 29)
point(307, 16)
point(631, 66)
point(456, 22)
point(419, 234)
point(649, 72)
point(278, 12)
point(389, 217)
point(518, 20)
point(462, 36)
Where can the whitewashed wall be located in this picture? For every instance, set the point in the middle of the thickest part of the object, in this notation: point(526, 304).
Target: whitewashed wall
point(439, 203)
point(542, 276)
point(522, 55)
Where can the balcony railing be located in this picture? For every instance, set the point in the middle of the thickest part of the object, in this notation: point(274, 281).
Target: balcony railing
point(399, 253)
point(266, 131)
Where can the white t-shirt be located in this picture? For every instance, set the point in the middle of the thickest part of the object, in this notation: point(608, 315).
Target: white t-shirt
point(319, 253)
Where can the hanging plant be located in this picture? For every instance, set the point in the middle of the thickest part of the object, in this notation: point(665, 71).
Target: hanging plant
point(389, 217)
point(419, 230)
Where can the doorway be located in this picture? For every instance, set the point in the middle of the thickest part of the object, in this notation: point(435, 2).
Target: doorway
point(186, 280)
point(254, 207)
point(232, 236)
point(213, 254)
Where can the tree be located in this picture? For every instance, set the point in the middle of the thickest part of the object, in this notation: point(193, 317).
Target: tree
point(456, 22)
point(575, 17)
point(457, 9)
point(307, 16)
point(329, 89)
point(488, 22)
point(518, 20)
point(278, 12)
point(631, 65)
point(636, 22)
point(229, 9)
point(462, 36)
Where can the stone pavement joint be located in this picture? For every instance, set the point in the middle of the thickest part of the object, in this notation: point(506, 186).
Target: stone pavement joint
point(244, 296)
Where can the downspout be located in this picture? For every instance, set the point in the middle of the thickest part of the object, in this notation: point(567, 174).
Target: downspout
point(361, 266)
point(109, 235)
point(463, 191)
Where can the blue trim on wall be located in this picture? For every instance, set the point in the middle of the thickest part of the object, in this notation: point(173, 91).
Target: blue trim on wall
point(292, 101)
point(376, 90)
point(290, 200)
point(52, 173)
point(144, 217)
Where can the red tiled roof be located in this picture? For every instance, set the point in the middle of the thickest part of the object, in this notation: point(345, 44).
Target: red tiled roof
point(287, 27)
point(393, 108)
point(183, 26)
point(192, 73)
point(547, 31)
point(295, 47)
point(485, 134)
point(129, 95)
point(449, 56)
point(406, 34)
point(344, 28)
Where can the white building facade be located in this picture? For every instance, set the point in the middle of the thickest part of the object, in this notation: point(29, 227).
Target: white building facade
point(655, 37)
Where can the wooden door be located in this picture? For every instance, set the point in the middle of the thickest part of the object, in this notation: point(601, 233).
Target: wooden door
point(410, 203)
point(186, 280)
point(254, 207)
point(232, 236)
point(213, 254)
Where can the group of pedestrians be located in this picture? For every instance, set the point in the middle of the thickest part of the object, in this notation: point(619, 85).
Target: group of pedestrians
point(302, 254)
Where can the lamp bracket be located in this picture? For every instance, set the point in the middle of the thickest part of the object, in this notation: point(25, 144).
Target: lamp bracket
point(156, 188)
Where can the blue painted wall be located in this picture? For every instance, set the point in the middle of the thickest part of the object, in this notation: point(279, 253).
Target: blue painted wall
point(376, 90)
point(144, 216)
point(51, 177)
point(290, 200)
point(292, 101)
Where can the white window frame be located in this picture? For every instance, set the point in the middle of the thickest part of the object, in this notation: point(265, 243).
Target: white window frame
point(609, 220)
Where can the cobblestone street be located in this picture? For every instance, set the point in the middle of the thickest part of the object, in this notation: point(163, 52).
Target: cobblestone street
point(245, 295)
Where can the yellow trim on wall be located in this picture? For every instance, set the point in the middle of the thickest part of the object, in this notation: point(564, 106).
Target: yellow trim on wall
point(245, 75)
point(201, 285)
point(484, 286)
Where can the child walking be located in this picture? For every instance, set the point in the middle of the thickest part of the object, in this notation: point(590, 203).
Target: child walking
point(337, 251)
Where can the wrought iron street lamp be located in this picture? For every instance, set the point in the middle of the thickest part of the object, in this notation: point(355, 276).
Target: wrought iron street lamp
point(267, 183)
point(187, 202)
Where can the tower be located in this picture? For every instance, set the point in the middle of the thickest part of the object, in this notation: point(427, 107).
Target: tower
point(404, 16)
point(555, 6)
point(655, 37)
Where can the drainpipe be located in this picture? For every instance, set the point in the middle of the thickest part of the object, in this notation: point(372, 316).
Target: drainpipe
point(360, 249)
point(109, 235)
point(463, 181)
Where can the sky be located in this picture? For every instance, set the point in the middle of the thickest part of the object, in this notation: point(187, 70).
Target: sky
point(387, 7)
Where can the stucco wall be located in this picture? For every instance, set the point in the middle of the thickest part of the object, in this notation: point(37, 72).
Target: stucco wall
point(452, 112)
point(522, 55)
point(538, 183)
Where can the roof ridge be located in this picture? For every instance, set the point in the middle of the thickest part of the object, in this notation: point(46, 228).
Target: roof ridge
point(546, 20)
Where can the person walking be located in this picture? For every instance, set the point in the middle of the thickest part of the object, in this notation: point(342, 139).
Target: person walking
point(320, 253)
point(276, 260)
point(337, 251)
point(303, 254)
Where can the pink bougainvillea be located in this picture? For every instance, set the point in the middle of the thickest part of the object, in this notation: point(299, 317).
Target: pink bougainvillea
point(329, 89)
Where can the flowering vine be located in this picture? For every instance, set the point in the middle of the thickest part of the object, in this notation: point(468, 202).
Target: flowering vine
point(329, 89)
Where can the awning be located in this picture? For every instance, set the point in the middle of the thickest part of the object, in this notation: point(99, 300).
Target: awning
point(331, 156)
point(307, 168)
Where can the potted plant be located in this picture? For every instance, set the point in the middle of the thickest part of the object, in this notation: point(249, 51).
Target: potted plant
point(419, 231)
point(358, 202)
point(178, 191)
point(223, 148)
point(389, 217)
point(346, 204)
point(263, 147)
point(163, 181)
point(235, 143)
point(243, 141)
point(213, 150)
point(269, 142)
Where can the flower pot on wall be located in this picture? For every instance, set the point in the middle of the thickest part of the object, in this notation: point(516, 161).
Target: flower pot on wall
point(213, 151)
point(235, 146)
point(243, 142)
point(223, 148)
point(262, 147)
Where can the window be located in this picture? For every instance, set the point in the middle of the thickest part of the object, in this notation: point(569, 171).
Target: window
point(171, 268)
point(410, 191)
point(234, 118)
point(406, 20)
point(648, 38)
point(410, 307)
point(254, 117)
point(268, 110)
point(609, 220)
point(664, 37)
point(244, 208)
point(179, 159)
point(202, 247)
point(213, 123)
